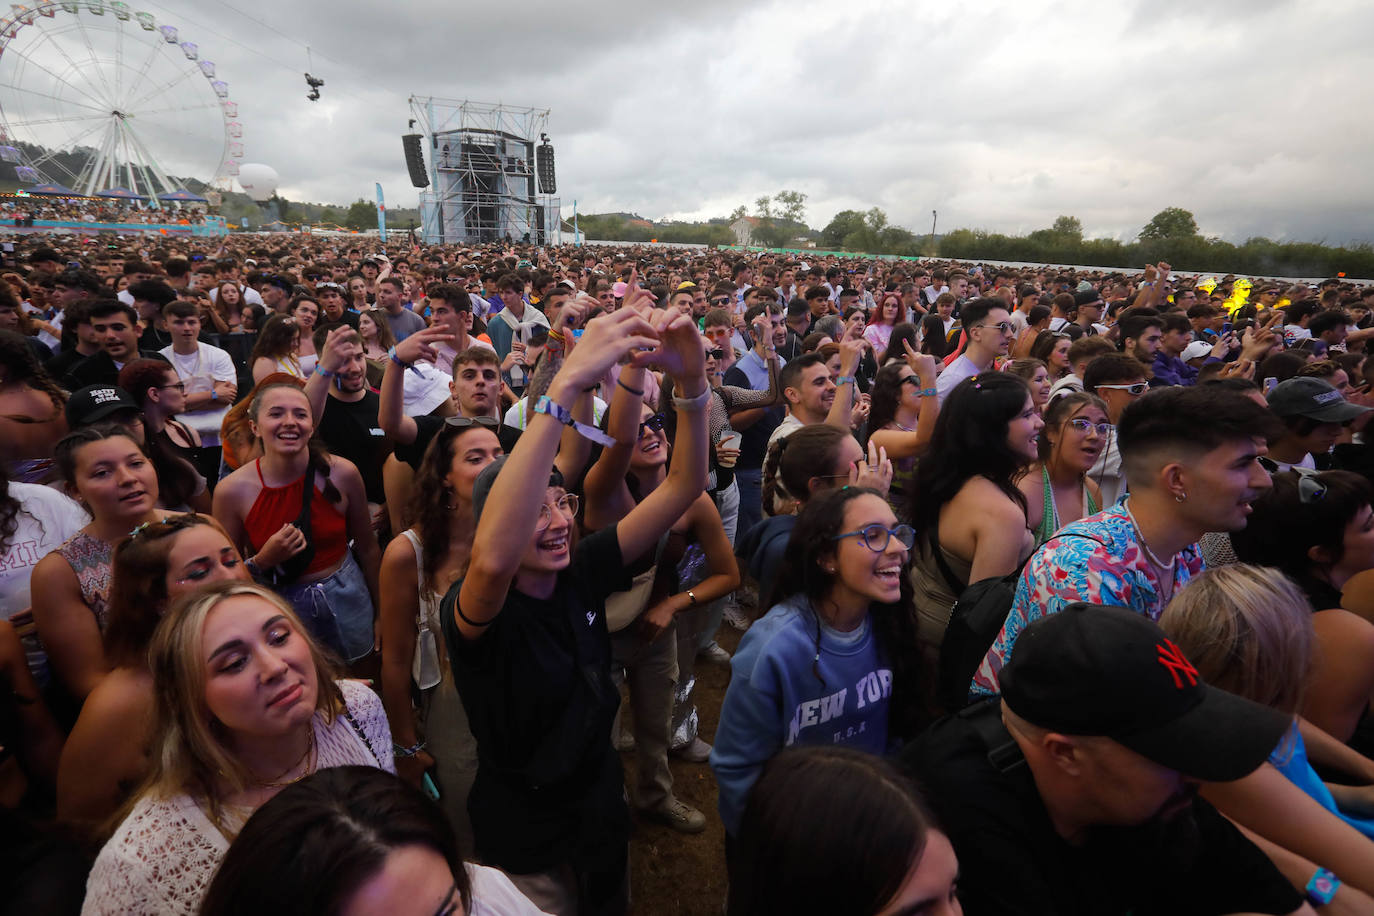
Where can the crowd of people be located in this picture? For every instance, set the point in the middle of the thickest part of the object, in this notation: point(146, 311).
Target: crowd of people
point(95, 210)
point(324, 571)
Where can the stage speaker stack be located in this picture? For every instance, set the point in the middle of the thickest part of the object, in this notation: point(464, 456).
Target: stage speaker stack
point(415, 160)
point(543, 159)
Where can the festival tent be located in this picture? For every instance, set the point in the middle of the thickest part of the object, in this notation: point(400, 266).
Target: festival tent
point(51, 190)
point(121, 194)
point(182, 195)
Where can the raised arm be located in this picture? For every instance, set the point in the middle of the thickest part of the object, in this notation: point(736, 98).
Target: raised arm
point(391, 414)
point(608, 499)
point(682, 356)
point(512, 506)
point(840, 415)
point(899, 443)
point(317, 386)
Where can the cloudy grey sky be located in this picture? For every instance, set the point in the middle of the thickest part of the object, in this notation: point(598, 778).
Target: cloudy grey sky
point(1254, 114)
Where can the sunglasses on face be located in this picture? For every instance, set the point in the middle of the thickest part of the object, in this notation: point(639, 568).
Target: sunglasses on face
point(876, 537)
point(654, 423)
point(1086, 426)
point(720, 300)
point(1001, 327)
point(1134, 391)
point(717, 353)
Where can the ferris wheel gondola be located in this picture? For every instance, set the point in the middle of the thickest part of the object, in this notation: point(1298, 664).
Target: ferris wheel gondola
point(95, 95)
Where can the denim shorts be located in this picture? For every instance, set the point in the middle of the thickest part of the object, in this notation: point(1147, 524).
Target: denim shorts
point(337, 610)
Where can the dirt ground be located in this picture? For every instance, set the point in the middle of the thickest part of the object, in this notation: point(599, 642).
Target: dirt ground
point(673, 873)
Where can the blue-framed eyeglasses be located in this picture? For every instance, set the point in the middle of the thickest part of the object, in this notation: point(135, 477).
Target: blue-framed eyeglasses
point(876, 537)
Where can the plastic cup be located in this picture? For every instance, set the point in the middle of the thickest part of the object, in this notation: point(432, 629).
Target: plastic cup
point(729, 439)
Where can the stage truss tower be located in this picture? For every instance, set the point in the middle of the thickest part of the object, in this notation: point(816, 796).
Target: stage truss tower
point(482, 173)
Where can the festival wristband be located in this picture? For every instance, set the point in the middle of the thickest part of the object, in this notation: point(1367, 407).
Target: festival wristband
point(845, 380)
point(552, 408)
point(325, 373)
point(1322, 887)
point(697, 403)
point(411, 751)
point(397, 360)
point(929, 392)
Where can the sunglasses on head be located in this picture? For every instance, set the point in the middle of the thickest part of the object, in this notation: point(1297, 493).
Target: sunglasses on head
point(465, 422)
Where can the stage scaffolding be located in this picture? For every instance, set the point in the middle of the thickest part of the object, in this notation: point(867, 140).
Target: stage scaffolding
point(482, 173)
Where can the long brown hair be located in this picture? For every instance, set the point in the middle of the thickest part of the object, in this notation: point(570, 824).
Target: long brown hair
point(431, 503)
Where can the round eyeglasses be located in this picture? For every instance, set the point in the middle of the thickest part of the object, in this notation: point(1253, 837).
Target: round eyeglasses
point(567, 504)
point(876, 537)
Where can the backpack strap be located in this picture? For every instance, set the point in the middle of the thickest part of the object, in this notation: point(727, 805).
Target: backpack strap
point(986, 719)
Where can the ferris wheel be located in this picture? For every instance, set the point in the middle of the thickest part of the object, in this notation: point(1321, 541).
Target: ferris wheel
point(101, 99)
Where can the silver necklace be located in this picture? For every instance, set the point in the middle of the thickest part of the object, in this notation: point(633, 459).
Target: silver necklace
point(1149, 554)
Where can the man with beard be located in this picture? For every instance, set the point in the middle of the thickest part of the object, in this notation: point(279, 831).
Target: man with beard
point(1192, 456)
point(349, 426)
point(1076, 792)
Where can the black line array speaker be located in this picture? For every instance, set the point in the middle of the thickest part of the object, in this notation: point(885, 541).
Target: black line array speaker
point(415, 160)
point(543, 161)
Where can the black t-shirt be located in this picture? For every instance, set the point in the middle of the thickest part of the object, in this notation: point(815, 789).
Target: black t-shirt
point(100, 369)
point(427, 427)
point(540, 701)
point(753, 442)
point(350, 430)
point(1013, 863)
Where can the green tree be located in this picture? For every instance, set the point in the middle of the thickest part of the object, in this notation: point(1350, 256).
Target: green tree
point(739, 212)
point(840, 227)
point(1169, 223)
point(791, 206)
point(763, 207)
point(1069, 227)
point(362, 214)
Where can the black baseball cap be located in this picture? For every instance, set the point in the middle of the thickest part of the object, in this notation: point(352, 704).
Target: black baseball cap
point(95, 403)
point(1313, 398)
point(1110, 672)
point(1086, 297)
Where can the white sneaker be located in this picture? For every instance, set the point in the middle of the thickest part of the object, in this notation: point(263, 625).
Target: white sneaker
point(696, 752)
point(714, 653)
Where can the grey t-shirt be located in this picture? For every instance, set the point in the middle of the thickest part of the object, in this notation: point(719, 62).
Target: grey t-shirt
point(404, 323)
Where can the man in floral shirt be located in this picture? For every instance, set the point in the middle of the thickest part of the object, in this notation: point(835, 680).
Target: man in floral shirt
point(1192, 456)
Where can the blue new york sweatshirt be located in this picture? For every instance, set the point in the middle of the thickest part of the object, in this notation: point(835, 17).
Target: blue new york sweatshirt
point(775, 700)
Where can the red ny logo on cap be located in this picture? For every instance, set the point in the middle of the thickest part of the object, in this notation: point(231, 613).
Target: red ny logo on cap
point(1172, 659)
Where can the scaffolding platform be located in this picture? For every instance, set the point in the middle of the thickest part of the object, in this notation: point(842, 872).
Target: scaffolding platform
point(481, 162)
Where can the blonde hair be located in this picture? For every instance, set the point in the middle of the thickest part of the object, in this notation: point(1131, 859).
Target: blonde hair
point(1248, 630)
point(190, 751)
